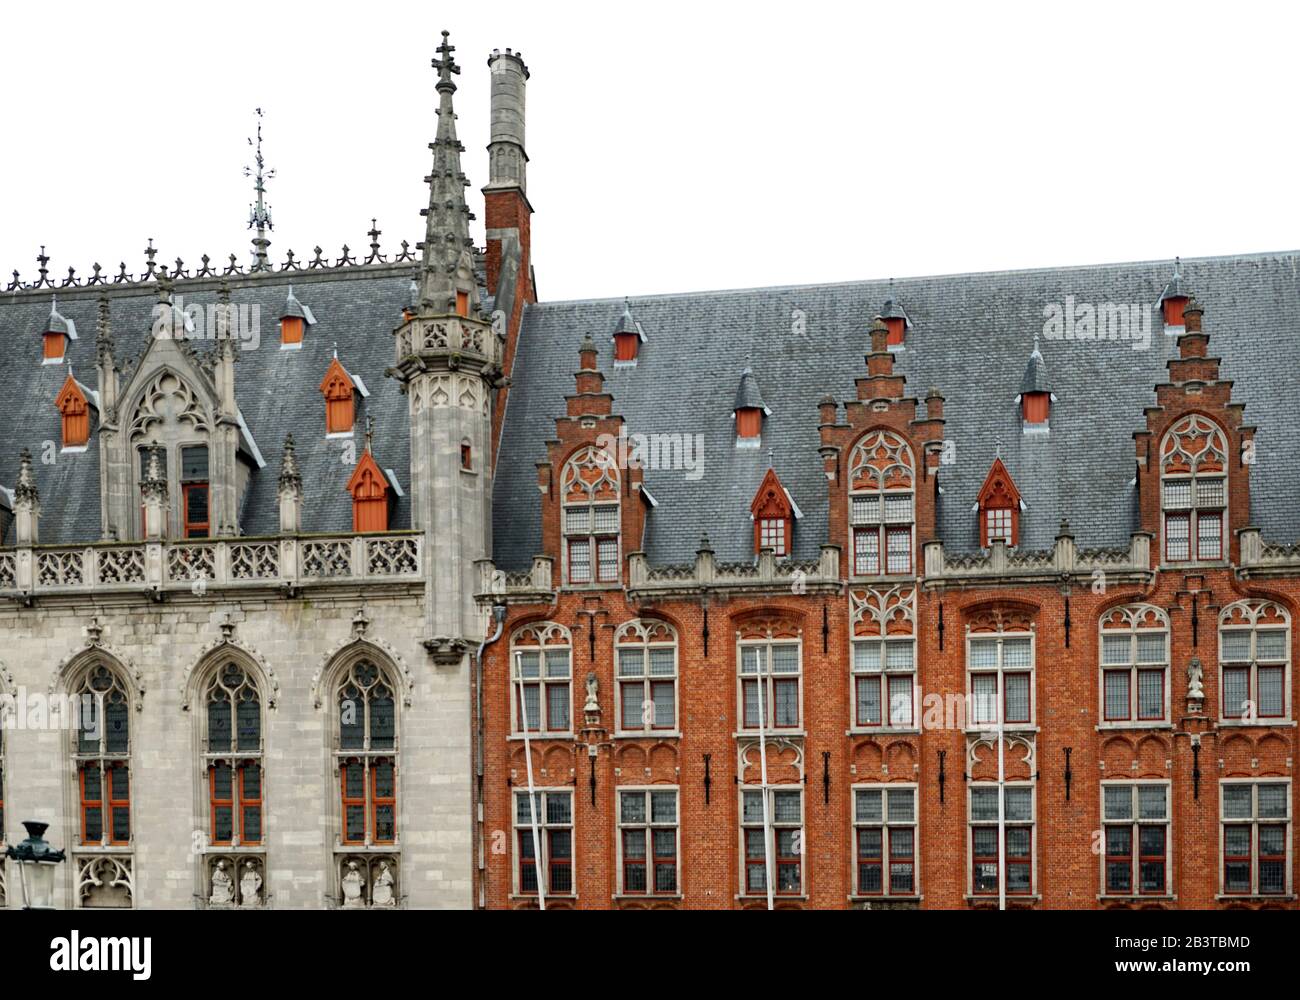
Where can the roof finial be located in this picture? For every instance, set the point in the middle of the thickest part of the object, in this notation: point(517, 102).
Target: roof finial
point(259, 213)
point(290, 478)
point(447, 245)
point(370, 432)
point(25, 488)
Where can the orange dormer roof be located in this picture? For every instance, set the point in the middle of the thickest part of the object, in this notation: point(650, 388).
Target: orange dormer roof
point(999, 489)
point(368, 481)
point(70, 400)
point(771, 499)
point(337, 383)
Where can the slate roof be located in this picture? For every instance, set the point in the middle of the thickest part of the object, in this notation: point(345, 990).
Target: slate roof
point(971, 337)
point(277, 391)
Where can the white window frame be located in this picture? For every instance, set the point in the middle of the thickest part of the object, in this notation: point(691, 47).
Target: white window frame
point(1000, 669)
point(541, 631)
point(542, 863)
point(972, 823)
point(777, 826)
point(884, 673)
point(1133, 667)
point(1255, 822)
point(646, 678)
point(1194, 509)
point(1134, 822)
point(620, 827)
point(764, 671)
point(1252, 666)
point(886, 826)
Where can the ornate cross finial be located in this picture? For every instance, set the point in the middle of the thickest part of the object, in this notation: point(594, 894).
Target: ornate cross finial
point(43, 259)
point(446, 65)
point(374, 235)
point(259, 213)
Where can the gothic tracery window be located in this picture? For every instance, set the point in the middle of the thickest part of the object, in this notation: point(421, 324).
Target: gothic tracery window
point(590, 512)
point(102, 757)
point(1135, 665)
point(1194, 490)
point(233, 757)
point(881, 504)
point(366, 755)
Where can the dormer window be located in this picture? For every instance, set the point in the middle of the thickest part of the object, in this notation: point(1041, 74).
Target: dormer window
point(628, 338)
point(749, 411)
point(1173, 301)
point(1035, 407)
point(369, 489)
point(895, 320)
point(590, 515)
point(58, 331)
point(75, 414)
point(773, 514)
point(340, 389)
point(1035, 397)
point(294, 319)
point(195, 491)
point(1194, 490)
point(999, 508)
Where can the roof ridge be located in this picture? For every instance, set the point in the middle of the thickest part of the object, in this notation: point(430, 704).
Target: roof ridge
point(953, 275)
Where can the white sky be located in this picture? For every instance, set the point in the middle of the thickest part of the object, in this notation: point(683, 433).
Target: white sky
point(674, 146)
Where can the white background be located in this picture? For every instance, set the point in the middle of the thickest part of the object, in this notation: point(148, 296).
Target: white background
point(673, 147)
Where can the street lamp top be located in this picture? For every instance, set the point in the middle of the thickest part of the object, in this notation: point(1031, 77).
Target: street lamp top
point(35, 847)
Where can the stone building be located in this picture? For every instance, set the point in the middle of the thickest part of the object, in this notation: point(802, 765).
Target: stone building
point(960, 591)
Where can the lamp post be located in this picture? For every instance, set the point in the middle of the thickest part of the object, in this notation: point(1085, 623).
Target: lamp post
point(36, 864)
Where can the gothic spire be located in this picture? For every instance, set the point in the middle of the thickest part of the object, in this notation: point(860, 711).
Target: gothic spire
point(259, 212)
point(447, 245)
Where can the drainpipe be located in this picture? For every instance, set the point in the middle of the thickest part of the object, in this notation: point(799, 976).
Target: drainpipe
point(499, 617)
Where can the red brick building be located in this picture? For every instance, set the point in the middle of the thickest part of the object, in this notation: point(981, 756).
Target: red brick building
point(1144, 690)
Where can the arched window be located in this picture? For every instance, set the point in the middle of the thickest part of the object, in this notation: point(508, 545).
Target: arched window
point(590, 486)
point(366, 755)
point(1194, 490)
point(232, 757)
point(881, 504)
point(541, 676)
point(102, 757)
point(1134, 665)
point(646, 655)
point(1255, 661)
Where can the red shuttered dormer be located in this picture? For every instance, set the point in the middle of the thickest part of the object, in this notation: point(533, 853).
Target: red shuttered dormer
point(369, 489)
point(340, 393)
point(75, 413)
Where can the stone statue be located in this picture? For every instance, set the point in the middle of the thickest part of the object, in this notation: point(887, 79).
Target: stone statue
point(383, 892)
point(1195, 674)
point(222, 887)
point(593, 703)
point(250, 886)
point(352, 886)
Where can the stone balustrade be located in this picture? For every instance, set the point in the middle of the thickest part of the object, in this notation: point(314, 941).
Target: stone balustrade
point(189, 564)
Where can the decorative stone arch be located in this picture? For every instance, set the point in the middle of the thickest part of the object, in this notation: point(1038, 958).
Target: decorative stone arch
point(346, 654)
point(209, 658)
point(999, 616)
point(72, 666)
point(881, 459)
